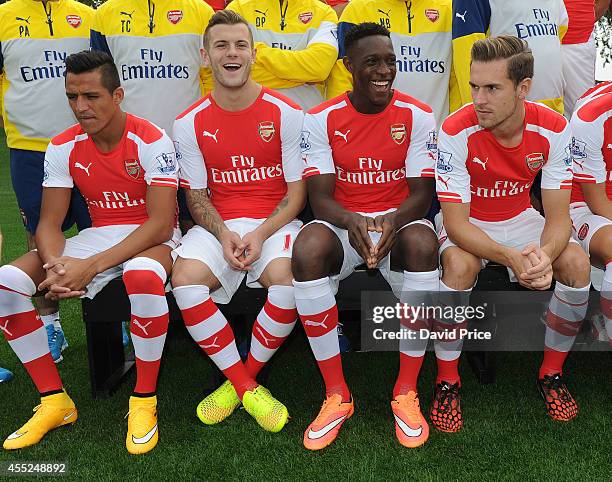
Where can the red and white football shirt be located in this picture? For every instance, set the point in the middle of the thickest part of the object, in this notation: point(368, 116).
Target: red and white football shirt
point(592, 145)
point(114, 184)
point(245, 158)
point(370, 154)
point(474, 168)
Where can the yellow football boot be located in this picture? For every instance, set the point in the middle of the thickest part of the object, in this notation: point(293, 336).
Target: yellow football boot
point(142, 434)
point(54, 411)
point(219, 405)
point(269, 413)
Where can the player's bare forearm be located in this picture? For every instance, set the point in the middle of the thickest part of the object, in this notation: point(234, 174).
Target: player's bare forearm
point(417, 204)
point(597, 199)
point(204, 213)
point(469, 237)
point(555, 235)
point(286, 210)
point(156, 230)
point(324, 206)
point(50, 240)
point(558, 225)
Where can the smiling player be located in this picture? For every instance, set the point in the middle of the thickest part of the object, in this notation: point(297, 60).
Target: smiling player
point(241, 167)
point(370, 165)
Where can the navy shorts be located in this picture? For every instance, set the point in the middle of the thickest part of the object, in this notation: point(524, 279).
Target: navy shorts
point(27, 177)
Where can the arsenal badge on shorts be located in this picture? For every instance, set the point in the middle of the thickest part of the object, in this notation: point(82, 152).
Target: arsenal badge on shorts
point(132, 167)
point(583, 231)
point(398, 133)
point(432, 14)
point(266, 130)
point(74, 21)
point(175, 16)
point(534, 161)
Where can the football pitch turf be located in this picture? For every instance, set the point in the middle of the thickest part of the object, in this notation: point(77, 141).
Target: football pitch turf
point(507, 435)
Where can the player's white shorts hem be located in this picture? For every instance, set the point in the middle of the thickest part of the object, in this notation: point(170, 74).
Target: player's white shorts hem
point(352, 259)
point(201, 245)
point(585, 224)
point(92, 241)
point(517, 232)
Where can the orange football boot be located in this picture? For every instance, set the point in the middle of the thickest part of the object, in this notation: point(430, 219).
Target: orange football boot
point(325, 428)
point(411, 427)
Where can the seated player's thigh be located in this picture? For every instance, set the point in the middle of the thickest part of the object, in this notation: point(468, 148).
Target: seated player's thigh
point(572, 267)
point(193, 272)
point(199, 260)
point(31, 264)
point(317, 252)
point(460, 268)
point(522, 230)
point(416, 248)
point(600, 246)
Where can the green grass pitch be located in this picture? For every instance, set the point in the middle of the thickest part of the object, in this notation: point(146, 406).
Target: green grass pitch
point(506, 436)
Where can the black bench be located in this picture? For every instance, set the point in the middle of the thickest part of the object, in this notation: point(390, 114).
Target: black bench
point(109, 364)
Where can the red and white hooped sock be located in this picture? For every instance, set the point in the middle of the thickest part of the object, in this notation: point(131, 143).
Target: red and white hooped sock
point(144, 280)
point(272, 327)
point(24, 330)
point(318, 312)
point(211, 331)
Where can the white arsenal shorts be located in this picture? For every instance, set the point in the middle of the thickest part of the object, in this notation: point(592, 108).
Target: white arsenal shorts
point(199, 244)
point(585, 224)
point(92, 241)
point(517, 232)
point(352, 258)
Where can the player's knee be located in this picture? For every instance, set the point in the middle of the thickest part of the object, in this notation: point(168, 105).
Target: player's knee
point(182, 275)
point(277, 273)
point(312, 251)
point(144, 275)
point(418, 246)
point(600, 246)
point(186, 272)
point(573, 267)
point(460, 268)
point(16, 280)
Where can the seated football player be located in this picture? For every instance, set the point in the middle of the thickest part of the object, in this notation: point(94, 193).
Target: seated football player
point(242, 172)
point(489, 154)
point(591, 201)
point(370, 156)
point(126, 169)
